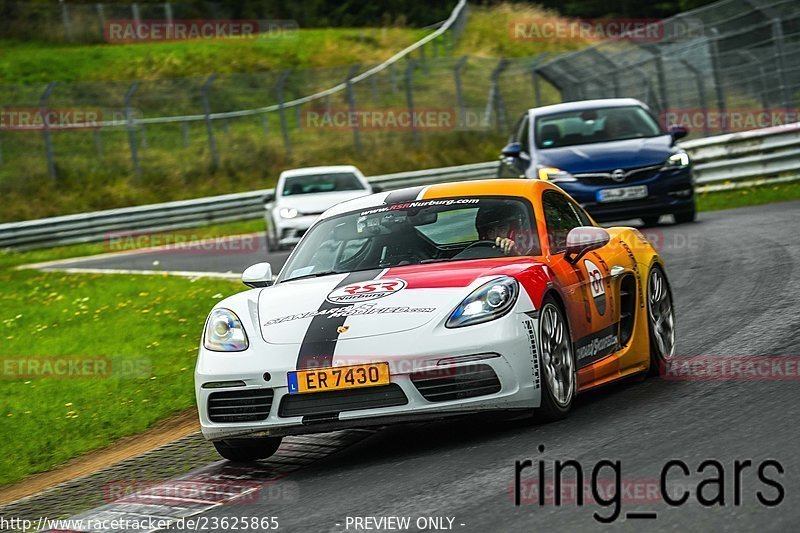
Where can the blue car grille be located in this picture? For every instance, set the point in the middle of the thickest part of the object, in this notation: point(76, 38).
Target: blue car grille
point(631, 175)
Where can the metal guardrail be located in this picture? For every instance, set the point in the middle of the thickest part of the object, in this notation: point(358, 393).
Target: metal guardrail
point(722, 162)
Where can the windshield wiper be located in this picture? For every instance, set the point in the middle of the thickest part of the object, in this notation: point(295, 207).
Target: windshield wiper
point(315, 275)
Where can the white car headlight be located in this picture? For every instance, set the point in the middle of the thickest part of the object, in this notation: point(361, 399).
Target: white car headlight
point(224, 332)
point(288, 212)
point(555, 175)
point(677, 160)
point(488, 302)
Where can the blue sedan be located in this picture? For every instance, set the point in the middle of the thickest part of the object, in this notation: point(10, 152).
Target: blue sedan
point(611, 155)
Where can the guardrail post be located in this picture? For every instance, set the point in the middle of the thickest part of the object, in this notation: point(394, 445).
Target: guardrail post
point(65, 19)
point(537, 90)
point(131, 125)
point(282, 110)
point(701, 91)
point(137, 19)
point(777, 35)
point(48, 140)
point(351, 105)
point(265, 124)
point(212, 141)
point(168, 12)
point(715, 72)
point(410, 99)
point(457, 69)
point(185, 133)
point(495, 102)
point(101, 17)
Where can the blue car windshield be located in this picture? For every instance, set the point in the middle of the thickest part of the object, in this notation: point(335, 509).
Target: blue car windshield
point(594, 125)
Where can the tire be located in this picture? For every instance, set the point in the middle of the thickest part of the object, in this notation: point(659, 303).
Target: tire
point(248, 450)
point(660, 320)
point(650, 221)
point(557, 363)
point(685, 217)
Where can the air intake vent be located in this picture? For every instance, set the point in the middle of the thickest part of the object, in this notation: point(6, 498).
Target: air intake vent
point(455, 383)
point(333, 402)
point(248, 405)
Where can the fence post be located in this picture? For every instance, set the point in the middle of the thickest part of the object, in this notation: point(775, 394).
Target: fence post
point(137, 171)
point(185, 132)
point(495, 102)
point(98, 143)
point(351, 104)
point(410, 99)
point(137, 18)
point(265, 123)
point(168, 12)
point(457, 69)
point(777, 34)
point(393, 78)
point(212, 141)
point(65, 18)
point(701, 90)
point(717, 81)
point(282, 111)
point(101, 17)
point(48, 140)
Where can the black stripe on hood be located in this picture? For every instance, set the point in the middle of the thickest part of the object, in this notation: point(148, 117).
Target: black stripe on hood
point(319, 342)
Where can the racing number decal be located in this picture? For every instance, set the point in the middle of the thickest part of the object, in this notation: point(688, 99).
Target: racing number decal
point(596, 286)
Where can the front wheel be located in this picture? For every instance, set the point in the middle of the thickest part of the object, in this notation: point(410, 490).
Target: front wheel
point(248, 450)
point(557, 362)
point(661, 320)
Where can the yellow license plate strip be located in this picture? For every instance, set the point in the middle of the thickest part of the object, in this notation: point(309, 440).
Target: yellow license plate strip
point(338, 378)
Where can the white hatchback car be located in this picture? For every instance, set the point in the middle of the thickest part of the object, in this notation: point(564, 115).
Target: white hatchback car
point(303, 194)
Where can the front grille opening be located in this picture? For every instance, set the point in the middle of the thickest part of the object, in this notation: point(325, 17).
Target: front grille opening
point(627, 309)
point(327, 404)
point(456, 383)
point(248, 405)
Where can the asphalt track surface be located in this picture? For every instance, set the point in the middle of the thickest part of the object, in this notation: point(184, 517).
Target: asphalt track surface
point(737, 294)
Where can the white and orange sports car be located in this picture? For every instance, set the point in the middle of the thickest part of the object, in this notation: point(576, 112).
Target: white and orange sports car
point(432, 301)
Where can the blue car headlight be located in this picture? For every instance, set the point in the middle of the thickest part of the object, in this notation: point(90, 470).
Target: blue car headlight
point(488, 302)
point(224, 332)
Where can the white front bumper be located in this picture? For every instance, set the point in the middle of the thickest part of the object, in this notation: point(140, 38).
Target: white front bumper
point(515, 365)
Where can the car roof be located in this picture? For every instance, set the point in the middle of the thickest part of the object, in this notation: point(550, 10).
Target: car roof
point(490, 187)
point(333, 169)
point(586, 104)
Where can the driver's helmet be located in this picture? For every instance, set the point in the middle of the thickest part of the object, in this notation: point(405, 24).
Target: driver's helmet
point(497, 221)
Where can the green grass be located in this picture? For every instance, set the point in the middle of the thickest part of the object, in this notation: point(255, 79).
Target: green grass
point(41, 62)
point(760, 195)
point(148, 327)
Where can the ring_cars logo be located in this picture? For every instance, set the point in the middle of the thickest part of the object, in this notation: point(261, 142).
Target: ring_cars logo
point(364, 292)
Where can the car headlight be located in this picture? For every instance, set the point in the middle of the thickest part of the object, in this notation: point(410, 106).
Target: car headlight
point(677, 160)
point(224, 332)
point(288, 212)
point(488, 302)
point(555, 175)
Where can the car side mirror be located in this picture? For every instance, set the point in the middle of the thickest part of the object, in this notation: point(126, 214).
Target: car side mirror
point(584, 239)
point(268, 197)
point(377, 188)
point(677, 132)
point(512, 149)
point(258, 275)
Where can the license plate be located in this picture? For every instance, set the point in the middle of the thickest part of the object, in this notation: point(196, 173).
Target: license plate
point(338, 377)
point(621, 194)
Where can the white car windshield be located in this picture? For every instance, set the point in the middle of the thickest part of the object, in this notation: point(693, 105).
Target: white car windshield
point(594, 125)
point(316, 183)
point(423, 231)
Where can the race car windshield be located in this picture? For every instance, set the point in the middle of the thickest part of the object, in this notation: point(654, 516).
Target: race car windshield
point(595, 125)
point(418, 232)
point(316, 183)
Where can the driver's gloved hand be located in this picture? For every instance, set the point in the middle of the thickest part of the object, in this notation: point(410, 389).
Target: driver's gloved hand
point(505, 244)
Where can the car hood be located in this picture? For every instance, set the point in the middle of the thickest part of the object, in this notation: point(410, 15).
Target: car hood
point(373, 303)
point(316, 203)
point(600, 157)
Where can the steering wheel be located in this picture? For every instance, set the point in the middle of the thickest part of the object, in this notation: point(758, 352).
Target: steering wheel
point(478, 243)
